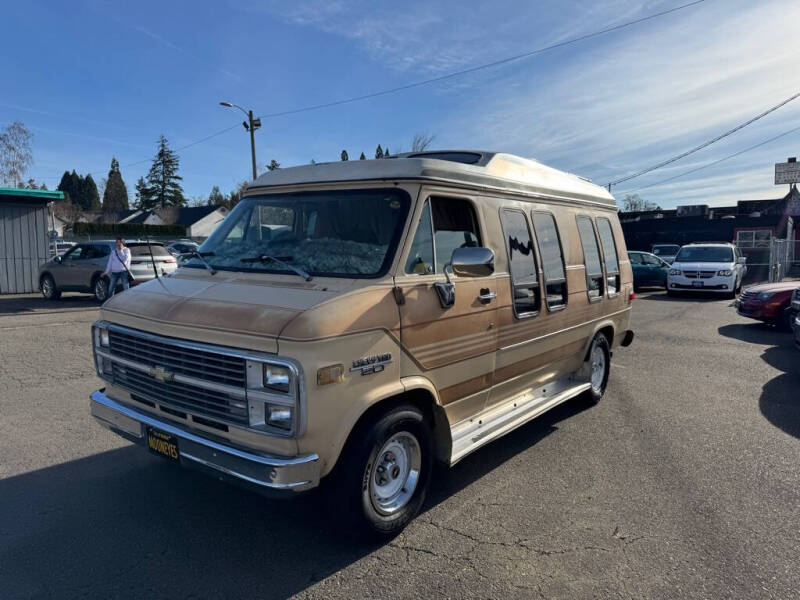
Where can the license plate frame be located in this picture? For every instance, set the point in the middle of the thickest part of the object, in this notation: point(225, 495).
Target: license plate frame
point(163, 444)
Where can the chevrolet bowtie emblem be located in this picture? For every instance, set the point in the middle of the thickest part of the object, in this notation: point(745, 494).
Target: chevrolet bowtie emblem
point(160, 374)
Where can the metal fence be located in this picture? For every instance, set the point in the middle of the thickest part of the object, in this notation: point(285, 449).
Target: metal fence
point(784, 259)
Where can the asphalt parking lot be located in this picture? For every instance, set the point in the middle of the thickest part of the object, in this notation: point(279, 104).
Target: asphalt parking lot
point(682, 483)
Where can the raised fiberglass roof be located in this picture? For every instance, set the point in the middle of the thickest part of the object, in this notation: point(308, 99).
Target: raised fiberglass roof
point(476, 168)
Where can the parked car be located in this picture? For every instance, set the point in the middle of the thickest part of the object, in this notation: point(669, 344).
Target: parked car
point(707, 267)
point(411, 310)
point(796, 329)
point(182, 247)
point(648, 270)
point(80, 268)
point(769, 302)
point(795, 304)
point(666, 252)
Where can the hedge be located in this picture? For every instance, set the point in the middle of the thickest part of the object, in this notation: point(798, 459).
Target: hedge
point(128, 229)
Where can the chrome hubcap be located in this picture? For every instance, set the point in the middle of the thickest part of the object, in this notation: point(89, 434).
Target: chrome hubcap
point(598, 361)
point(395, 473)
point(100, 289)
point(47, 287)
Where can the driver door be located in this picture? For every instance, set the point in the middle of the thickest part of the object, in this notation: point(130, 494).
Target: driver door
point(69, 275)
point(454, 347)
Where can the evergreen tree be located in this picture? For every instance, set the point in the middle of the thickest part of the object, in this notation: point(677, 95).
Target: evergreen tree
point(273, 164)
point(386, 153)
point(43, 186)
point(344, 155)
point(142, 194)
point(91, 197)
point(76, 189)
point(163, 181)
point(63, 186)
point(362, 157)
point(115, 196)
point(31, 185)
point(379, 152)
point(216, 198)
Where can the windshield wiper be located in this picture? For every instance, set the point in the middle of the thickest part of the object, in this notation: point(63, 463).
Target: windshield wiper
point(267, 258)
point(201, 256)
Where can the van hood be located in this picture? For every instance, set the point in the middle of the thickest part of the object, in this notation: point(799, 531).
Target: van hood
point(226, 309)
point(704, 266)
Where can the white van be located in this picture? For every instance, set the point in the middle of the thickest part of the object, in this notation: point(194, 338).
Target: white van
point(712, 267)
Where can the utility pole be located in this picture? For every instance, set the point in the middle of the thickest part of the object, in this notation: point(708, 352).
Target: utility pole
point(250, 125)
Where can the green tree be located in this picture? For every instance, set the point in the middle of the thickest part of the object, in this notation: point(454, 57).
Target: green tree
point(31, 185)
point(379, 152)
point(273, 164)
point(143, 194)
point(115, 196)
point(76, 188)
point(216, 198)
point(362, 157)
point(91, 198)
point(163, 181)
point(344, 155)
point(236, 195)
point(386, 153)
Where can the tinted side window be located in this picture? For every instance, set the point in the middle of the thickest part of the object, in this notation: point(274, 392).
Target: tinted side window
point(454, 226)
point(610, 255)
point(555, 277)
point(651, 260)
point(77, 253)
point(420, 257)
point(101, 250)
point(521, 263)
point(591, 258)
point(635, 258)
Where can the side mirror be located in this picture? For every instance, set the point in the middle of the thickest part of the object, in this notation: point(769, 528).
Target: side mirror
point(742, 260)
point(472, 262)
point(58, 259)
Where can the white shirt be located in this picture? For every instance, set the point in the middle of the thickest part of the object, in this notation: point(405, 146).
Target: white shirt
point(115, 265)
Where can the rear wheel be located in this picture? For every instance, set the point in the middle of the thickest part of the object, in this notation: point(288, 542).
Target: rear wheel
point(385, 471)
point(49, 289)
point(784, 321)
point(100, 289)
point(598, 364)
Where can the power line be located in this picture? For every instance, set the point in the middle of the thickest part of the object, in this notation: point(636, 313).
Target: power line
point(488, 65)
point(704, 144)
point(711, 164)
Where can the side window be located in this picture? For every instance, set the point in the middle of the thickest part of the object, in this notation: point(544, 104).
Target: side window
point(77, 253)
point(591, 259)
point(102, 250)
point(444, 225)
point(610, 255)
point(555, 277)
point(652, 261)
point(636, 258)
point(521, 263)
point(454, 226)
point(420, 257)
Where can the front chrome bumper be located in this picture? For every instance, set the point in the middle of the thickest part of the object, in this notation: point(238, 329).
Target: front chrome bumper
point(266, 473)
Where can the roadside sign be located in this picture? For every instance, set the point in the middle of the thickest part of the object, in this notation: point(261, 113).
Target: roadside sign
point(788, 172)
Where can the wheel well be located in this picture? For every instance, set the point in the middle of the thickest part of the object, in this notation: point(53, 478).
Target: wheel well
point(94, 278)
point(42, 276)
point(608, 331)
point(421, 399)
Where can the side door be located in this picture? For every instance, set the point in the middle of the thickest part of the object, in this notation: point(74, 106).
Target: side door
point(454, 347)
point(67, 275)
point(656, 269)
point(639, 268)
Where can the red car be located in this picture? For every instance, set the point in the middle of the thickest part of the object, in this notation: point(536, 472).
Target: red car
point(768, 302)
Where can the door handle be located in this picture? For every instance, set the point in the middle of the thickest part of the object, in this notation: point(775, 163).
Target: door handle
point(486, 296)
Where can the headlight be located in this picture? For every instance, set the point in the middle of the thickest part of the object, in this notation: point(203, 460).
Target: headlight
point(100, 336)
point(765, 295)
point(277, 377)
point(279, 416)
point(725, 273)
point(674, 272)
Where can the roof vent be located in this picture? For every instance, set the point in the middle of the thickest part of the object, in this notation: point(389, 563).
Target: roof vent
point(467, 158)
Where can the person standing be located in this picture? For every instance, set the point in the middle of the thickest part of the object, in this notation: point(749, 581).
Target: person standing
point(119, 262)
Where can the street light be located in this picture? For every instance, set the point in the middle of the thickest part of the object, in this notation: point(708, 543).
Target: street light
point(250, 125)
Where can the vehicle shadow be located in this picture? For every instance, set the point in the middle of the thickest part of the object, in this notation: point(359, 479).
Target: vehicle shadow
point(780, 397)
point(123, 523)
point(685, 297)
point(31, 304)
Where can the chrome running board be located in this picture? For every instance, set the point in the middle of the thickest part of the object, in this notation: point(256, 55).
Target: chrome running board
point(473, 433)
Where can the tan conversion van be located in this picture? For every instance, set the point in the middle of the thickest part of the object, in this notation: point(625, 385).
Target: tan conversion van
point(352, 322)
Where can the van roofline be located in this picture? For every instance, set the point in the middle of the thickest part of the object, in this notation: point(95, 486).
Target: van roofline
point(493, 171)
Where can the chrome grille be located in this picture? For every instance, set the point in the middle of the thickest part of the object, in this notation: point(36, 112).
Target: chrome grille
point(182, 396)
point(201, 364)
point(699, 274)
point(746, 296)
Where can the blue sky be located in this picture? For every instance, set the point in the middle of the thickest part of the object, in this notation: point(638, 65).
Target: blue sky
point(94, 80)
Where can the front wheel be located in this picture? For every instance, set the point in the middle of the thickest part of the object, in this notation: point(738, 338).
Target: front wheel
point(598, 364)
point(384, 473)
point(100, 289)
point(49, 289)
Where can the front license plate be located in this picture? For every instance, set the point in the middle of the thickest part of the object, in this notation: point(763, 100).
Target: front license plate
point(163, 444)
point(697, 284)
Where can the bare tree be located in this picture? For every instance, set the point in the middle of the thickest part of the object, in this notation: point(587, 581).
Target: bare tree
point(421, 141)
point(15, 153)
point(635, 203)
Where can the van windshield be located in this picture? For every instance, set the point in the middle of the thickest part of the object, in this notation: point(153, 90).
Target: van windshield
point(721, 254)
point(666, 250)
point(349, 233)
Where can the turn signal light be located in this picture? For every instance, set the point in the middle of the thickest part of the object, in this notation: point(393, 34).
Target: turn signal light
point(331, 374)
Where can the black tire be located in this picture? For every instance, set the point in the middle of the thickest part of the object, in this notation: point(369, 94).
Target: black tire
point(49, 289)
point(671, 293)
point(360, 464)
point(100, 289)
point(598, 388)
point(784, 322)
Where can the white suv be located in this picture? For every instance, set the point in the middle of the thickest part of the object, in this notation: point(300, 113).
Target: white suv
point(707, 268)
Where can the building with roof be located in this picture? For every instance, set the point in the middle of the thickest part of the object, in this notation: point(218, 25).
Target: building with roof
point(25, 223)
